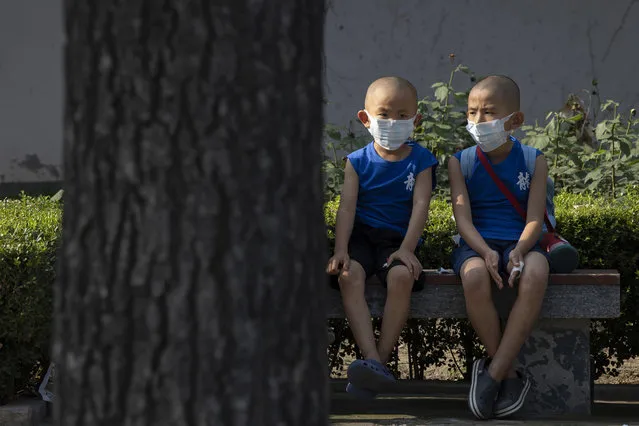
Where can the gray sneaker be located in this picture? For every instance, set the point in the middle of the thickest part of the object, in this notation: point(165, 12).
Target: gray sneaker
point(483, 390)
point(512, 395)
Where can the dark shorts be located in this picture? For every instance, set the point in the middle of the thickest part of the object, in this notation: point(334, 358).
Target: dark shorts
point(371, 247)
point(503, 247)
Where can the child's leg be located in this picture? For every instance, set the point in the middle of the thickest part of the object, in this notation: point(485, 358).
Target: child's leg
point(480, 308)
point(399, 284)
point(477, 286)
point(524, 314)
point(352, 284)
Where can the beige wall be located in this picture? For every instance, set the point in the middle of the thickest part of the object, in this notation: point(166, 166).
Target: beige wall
point(551, 47)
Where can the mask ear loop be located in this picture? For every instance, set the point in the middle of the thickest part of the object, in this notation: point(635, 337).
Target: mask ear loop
point(510, 132)
point(370, 117)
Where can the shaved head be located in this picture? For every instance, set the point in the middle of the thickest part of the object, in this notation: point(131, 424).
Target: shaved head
point(503, 88)
point(389, 85)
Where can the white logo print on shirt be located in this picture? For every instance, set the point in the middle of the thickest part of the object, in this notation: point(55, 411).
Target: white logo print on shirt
point(410, 181)
point(523, 180)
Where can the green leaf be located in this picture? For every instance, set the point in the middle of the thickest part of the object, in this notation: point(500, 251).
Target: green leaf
point(624, 147)
point(575, 158)
point(441, 93)
point(575, 118)
point(438, 84)
point(609, 103)
point(456, 115)
point(601, 131)
point(593, 185)
point(594, 175)
point(333, 134)
point(443, 126)
point(431, 136)
point(540, 142)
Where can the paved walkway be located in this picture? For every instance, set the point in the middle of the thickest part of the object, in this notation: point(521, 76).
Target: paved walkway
point(453, 410)
point(450, 408)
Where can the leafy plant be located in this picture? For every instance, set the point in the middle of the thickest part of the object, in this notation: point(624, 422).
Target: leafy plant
point(587, 151)
point(443, 126)
point(340, 142)
point(29, 237)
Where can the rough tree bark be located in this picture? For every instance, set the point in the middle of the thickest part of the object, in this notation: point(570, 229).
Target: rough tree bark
point(191, 288)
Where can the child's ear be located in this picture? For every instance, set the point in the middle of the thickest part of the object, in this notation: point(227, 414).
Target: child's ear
point(516, 121)
point(363, 117)
point(418, 119)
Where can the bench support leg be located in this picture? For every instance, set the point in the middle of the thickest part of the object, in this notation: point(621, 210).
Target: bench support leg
point(557, 359)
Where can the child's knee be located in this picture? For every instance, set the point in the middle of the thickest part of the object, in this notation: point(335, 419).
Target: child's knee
point(399, 279)
point(533, 285)
point(354, 279)
point(475, 278)
point(534, 278)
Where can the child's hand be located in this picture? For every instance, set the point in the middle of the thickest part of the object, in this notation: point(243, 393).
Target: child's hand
point(340, 260)
point(492, 264)
point(515, 260)
point(409, 259)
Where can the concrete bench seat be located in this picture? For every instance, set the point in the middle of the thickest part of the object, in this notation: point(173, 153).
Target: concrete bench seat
point(557, 354)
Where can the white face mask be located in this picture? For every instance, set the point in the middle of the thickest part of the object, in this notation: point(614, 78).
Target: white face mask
point(390, 134)
point(489, 135)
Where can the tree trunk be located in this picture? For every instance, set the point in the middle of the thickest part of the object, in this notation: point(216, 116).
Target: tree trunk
point(190, 286)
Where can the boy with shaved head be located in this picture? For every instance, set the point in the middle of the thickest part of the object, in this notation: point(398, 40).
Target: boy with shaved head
point(382, 213)
point(496, 240)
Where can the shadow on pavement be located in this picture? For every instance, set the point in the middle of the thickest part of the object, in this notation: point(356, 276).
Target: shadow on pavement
point(447, 409)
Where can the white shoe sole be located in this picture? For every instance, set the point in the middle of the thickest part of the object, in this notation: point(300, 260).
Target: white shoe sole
point(473, 390)
point(516, 406)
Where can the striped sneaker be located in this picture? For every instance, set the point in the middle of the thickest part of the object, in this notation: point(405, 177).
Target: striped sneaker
point(512, 395)
point(483, 390)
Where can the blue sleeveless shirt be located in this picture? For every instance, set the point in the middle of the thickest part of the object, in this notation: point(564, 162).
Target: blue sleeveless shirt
point(493, 215)
point(385, 197)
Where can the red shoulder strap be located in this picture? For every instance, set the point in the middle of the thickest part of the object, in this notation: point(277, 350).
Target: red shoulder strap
point(504, 190)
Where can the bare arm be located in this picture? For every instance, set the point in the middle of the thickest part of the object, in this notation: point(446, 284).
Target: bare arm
point(346, 210)
point(536, 207)
point(421, 201)
point(344, 221)
point(461, 209)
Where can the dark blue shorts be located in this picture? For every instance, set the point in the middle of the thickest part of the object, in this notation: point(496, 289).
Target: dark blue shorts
point(371, 247)
point(503, 247)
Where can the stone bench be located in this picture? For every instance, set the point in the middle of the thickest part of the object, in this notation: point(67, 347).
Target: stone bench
point(557, 354)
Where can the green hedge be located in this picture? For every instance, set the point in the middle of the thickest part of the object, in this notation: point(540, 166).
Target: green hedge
point(605, 232)
point(29, 235)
